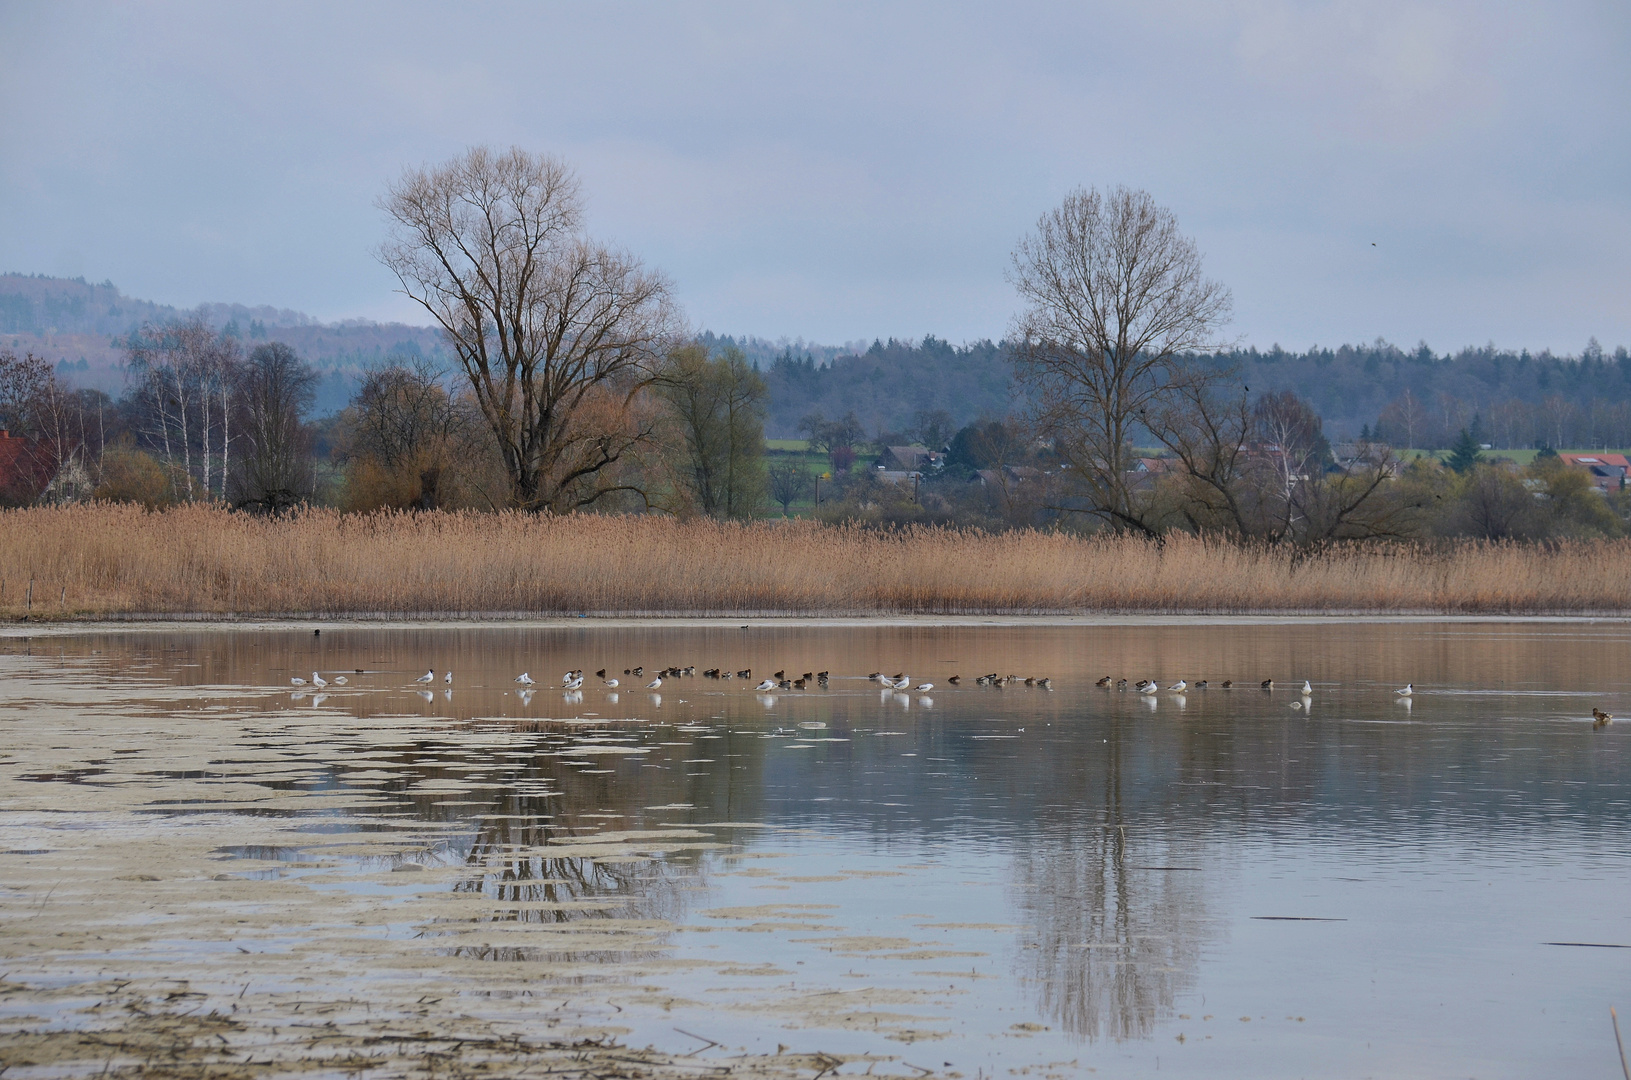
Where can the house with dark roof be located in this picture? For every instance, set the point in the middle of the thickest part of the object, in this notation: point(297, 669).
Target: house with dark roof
point(910, 459)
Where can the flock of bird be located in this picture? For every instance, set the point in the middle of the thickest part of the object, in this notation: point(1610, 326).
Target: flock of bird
point(573, 681)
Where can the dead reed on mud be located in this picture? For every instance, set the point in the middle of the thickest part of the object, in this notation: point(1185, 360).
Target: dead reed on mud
point(109, 560)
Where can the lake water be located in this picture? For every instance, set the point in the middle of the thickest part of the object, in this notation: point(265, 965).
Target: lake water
point(969, 880)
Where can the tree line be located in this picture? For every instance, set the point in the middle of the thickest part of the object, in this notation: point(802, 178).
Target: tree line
point(575, 385)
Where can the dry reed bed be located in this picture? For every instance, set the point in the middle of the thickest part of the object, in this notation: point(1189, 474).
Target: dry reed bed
point(123, 560)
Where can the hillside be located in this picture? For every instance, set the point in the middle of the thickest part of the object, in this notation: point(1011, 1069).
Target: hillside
point(1408, 397)
point(82, 327)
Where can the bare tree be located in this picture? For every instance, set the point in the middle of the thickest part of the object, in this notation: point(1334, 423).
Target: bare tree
point(719, 405)
point(788, 482)
point(274, 471)
point(1115, 300)
point(550, 328)
point(404, 421)
point(184, 374)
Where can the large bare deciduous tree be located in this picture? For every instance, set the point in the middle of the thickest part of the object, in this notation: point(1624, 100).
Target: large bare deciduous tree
point(1115, 301)
point(557, 334)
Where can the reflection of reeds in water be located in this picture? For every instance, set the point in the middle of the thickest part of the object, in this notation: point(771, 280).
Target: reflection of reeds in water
point(125, 559)
point(1107, 945)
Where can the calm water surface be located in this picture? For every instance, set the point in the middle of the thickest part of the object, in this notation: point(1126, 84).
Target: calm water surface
point(1214, 883)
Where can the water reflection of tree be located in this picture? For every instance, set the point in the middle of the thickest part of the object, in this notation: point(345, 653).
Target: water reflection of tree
point(1108, 944)
point(1112, 932)
point(511, 864)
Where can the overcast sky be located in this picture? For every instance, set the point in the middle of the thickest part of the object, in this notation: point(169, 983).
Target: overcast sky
point(848, 171)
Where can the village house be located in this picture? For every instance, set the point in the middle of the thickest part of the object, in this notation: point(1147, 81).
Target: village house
point(1607, 471)
point(910, 459)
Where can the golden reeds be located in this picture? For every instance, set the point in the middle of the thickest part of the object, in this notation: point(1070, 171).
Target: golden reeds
point(119, 559)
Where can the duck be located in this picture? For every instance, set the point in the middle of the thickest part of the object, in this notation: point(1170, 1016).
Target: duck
point(524, 679)
point(1201, 685)
point(1409, 688)
point(745, 673)
point(1268, 684)
point(1600, 719)
point(954, 680)
point(1121, 684)
point(1102, 683)
point(876, 676)
point(601, 674)
point(1179, 687)
point(823, 674)
point(1045, 683)
point(799, 684)
point(429, 676)
point(711, 673)
point(1228, 684)
point(1141, 684)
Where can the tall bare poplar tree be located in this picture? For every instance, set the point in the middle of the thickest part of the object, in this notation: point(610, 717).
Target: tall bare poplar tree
point(556, 333)
point(1115, 299)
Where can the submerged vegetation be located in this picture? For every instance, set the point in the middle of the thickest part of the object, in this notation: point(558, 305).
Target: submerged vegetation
point(112, 560)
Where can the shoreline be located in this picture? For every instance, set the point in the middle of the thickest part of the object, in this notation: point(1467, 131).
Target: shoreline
point(172, 622)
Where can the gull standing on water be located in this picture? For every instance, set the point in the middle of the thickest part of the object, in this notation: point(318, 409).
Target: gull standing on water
point(1179, 687)
point(655, 684)
point(429, 676)
point(1151, 687)
point(297, 681)
point(448, 678)
point(1308, 688)
point(318, 681)
point(1409, 688)
point(524, 679)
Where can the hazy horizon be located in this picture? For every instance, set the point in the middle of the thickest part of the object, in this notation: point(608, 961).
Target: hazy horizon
point(1439, 172)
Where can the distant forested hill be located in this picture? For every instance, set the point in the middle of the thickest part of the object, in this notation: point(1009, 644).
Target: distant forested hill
point(1415, 397)
point(83, 328)
point(1420, 398)
point(883, 384)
